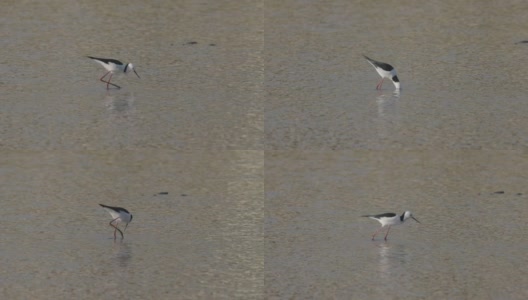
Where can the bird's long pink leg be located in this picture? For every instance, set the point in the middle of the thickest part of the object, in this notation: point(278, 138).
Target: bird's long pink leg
point(121, 232)
point(117, 86)
point(375, 233)
point(104, 77)
point(116, 229)
point(108, 82)
point(387, 233)
point(378, 87)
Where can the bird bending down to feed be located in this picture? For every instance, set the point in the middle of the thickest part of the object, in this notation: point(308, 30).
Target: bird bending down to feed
point(385, 71)
point(119, 215)
point(113, 66)
point(389, 219)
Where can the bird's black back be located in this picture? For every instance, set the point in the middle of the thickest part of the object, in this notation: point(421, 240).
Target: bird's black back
point(380, 64)
point(385, 215)
point(384, 66)
point(118, 209)
point(107, 60)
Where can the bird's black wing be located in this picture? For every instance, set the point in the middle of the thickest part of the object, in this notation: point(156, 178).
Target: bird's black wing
point(379, 64)
point(385, 215)
point(385, 66)
point(107, 60)
point(117, 209)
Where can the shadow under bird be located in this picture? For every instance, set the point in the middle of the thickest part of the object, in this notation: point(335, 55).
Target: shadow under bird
point(390, 219)
point(113, 66)
point(385, 71)
point(119, 215)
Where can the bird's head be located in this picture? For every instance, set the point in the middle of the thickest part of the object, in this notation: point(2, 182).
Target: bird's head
point(129, 222)
point(130, 68)
point(407, 215)
point(396, 82)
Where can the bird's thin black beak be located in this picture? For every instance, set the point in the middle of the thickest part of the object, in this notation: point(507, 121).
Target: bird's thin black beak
point(411, 217)
point(138, 77)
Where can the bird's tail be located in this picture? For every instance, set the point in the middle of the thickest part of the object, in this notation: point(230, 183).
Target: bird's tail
point(370, 60)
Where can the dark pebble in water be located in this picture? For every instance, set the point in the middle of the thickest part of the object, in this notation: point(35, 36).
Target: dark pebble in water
point(192, 43)
point(212, 44)
point(519, 194)
point(163, 193)
point(183, 195)
point(499, 192)
point(522, 42)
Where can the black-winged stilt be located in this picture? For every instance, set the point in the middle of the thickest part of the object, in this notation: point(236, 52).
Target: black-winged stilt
point(113, 66)
point(389, 219)
point(119, 215)
point(385, 71)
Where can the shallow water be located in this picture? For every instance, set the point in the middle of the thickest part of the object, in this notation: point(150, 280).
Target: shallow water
point(450, 146)
point(200, 240)
point(261, 122)
point(191, 126)
point(470, 243)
